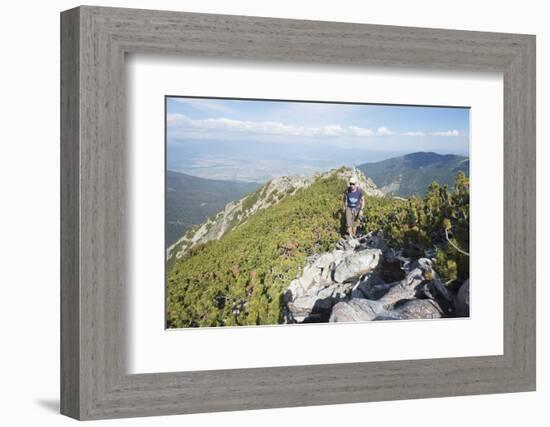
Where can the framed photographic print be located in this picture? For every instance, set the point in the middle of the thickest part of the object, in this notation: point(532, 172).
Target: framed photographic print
point(344, 212)
point(309, 220)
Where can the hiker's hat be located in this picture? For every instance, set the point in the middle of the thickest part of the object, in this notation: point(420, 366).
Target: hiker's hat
point(352, 180)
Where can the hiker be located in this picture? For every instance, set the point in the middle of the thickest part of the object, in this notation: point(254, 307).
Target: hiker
point(354, 201)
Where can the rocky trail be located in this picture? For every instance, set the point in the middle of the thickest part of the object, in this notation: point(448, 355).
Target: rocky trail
point(362, 279)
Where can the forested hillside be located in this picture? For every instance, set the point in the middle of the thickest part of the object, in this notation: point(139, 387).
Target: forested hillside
point(246, 276)
point(411, 174)
point(191, 200)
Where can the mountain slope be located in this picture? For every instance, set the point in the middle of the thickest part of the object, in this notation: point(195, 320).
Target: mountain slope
point(237, 212)
point(239, 278)
point(190, 200)
point(287, 263)
point(412, 173)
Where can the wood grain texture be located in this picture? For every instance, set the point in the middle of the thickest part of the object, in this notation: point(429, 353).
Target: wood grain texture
point(94, 381)
point(70, 314)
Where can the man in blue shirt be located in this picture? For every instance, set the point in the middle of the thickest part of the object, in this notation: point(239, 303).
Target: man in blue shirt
point(354, 202)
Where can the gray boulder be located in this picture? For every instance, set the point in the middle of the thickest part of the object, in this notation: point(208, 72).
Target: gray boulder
point(419, 309)
point(355, 310)
point(302, 308)
point(463, 300)
point(404, 289)
point(348, 243)
point(314, 302)
point(325, 260)
point(371, 286)
point(359, 283)
point(356, 264)
point(310, 278)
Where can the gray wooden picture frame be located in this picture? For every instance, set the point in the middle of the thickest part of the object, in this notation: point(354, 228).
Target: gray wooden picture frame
point(94, 41)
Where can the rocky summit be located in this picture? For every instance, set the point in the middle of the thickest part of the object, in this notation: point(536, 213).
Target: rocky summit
point(347, 285)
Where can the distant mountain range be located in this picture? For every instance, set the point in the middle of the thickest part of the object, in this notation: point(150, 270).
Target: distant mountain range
point(191, 200)
point(411, 174)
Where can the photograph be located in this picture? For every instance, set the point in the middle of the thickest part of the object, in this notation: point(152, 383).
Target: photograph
point(282, 212)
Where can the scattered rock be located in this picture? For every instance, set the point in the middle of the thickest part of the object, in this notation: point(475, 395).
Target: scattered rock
point(391, 270)
point(314, 303)
point(355, 310)
point(356, 263)
point(356, 282)
point(370, 287)
point(348, 243)
point(463, 300)
point(419, 309)
point(390, 315)
point(405, 289)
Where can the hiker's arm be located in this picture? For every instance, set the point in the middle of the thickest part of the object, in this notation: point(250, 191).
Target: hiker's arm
point(362, 203)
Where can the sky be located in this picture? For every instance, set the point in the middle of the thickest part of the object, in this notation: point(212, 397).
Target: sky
point(257, 140)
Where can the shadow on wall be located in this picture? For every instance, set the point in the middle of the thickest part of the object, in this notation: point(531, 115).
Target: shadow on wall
point(51, 405)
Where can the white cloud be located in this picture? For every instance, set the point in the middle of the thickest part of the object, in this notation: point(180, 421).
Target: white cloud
point(332, 130)
point(413, 133)
point(178, 122)
point(358, 131)
point(453, 132)
point(204, 104)
point(383, 131)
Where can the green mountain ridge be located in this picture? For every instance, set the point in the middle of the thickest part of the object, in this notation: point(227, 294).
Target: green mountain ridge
point(190, 200)
point(237, 212)
point(240, 275)
point(412, 173)
point(251, 265)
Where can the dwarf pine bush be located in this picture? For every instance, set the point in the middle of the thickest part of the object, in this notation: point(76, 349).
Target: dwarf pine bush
point(240, 279)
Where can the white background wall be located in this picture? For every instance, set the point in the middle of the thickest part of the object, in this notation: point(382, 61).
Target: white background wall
point(29, 211)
